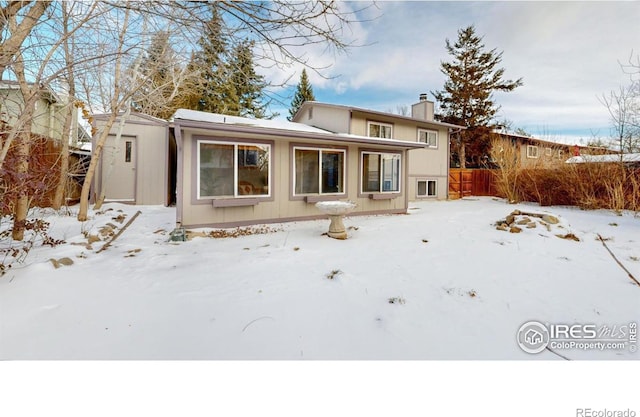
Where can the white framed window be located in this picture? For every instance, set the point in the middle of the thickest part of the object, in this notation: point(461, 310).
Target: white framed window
point(318, 171)
point(230, 169)
point(380, 130)
point(427, 188)
point(380, 172)
point(560, 153)
point(532, 151)
point(430, 137)
point(548, 152)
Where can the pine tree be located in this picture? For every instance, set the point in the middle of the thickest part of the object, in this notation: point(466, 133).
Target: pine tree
point(249, 86)
point(211, 61)
point(228, 82)
point(304, 92)
point(162, 75)
point(467, 97)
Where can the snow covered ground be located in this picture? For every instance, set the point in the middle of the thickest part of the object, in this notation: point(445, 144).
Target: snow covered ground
point(438, 283)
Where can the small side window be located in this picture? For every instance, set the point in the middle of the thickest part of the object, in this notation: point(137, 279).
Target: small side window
point(127, 151)
point(427, 188)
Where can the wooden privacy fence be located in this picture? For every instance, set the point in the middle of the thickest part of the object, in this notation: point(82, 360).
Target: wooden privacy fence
point(468, 182)
point(40, 182)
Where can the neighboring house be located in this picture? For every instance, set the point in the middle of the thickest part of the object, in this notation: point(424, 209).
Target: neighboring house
point(49, 112)
point(139, 168)
point(428, 168)
point(538, 153)
point(46, 142)
point(234, 171)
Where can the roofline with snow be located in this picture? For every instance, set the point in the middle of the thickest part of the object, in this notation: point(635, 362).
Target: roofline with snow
point(148, 119)
point(296, 134)
point(377, 113)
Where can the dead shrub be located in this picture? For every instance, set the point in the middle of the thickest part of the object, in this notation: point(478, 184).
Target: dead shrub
point(507, 177)
point(588, 186)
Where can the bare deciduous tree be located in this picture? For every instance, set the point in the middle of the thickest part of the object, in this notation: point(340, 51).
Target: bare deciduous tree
point(89, 51)
point(18, 31)
point(622, 106)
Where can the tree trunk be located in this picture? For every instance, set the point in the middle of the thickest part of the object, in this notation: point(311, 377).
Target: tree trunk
point(29, 97)
point(22, 200)
point(95, 158)
point(462, 155)
point(58, 197)
point(112, 161)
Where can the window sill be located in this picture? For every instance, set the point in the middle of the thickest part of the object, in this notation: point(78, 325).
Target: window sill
point(317, 198)
point(383, 196)
point(235, 202)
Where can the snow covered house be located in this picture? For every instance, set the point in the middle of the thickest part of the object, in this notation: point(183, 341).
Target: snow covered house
point(234, 171)
point(427, 168)
point(226, 171)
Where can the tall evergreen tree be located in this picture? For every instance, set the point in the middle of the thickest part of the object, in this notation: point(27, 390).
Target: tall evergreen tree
point(228, 82)
point(211, 61)
point(162, 75)
point(467, 96)
point(249, 86)
point(304, 92)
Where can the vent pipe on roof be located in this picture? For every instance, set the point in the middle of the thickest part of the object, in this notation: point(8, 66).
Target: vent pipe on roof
point(423, 97)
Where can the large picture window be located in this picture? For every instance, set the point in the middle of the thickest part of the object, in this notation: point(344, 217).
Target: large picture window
point(318, 171)
point(380, 172)
point(233, 169)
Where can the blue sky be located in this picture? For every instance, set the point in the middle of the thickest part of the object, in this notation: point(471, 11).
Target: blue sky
point(568, 54)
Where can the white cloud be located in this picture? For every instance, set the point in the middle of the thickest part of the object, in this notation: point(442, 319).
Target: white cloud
point(566, 52)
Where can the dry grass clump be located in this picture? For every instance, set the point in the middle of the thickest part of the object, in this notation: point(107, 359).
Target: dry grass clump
point(507, 176)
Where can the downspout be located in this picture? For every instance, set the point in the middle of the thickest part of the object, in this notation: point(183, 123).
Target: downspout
point(406, 180)
point(166, 165)
point(177, 132)
point(52, 113)
point(96, 181)
point(449, 133)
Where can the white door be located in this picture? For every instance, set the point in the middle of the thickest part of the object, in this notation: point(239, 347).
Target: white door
point(119, 169)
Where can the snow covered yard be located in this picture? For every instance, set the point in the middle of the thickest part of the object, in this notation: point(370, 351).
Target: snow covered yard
point(438, 283)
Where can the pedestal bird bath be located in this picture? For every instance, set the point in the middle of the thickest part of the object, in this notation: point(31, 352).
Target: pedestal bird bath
point(336, 210)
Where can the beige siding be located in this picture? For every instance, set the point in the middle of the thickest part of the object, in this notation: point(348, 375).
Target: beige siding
point(548, 156)
point(428, 163)
point(329, 118)
point(283, 206)
point(151, 162)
